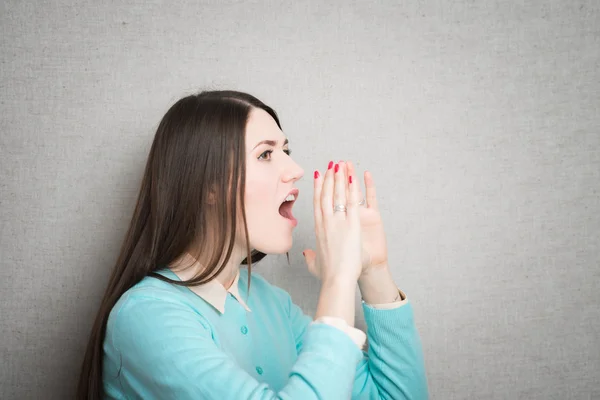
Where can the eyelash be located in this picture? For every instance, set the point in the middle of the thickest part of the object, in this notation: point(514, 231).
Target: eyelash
point(288, 152)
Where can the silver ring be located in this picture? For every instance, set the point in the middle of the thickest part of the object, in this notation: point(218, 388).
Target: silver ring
point(362, 202)
point(339, 207)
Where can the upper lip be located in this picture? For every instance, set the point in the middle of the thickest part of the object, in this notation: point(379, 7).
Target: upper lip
point(294, 191)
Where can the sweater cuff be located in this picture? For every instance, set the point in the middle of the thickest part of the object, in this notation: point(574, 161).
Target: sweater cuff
point(329, 341)
point(357, 336)
point(388, 306)
point(382, 324)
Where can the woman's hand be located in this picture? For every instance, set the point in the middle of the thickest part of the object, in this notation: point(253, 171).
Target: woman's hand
point(373, 243)
point(338, 233)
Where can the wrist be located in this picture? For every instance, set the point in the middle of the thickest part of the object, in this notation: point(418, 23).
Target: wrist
point(377, 286)
point(375, 272)
point(339, 281)
point(336, 299)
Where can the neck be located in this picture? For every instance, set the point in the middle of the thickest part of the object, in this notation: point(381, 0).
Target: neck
point(186, 267)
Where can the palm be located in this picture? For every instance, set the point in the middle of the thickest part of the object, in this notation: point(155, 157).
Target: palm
point(374, 244)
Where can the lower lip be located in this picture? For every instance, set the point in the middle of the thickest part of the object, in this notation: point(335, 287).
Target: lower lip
point(293, 221)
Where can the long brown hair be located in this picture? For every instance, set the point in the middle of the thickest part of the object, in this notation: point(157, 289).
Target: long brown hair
point(191, 192)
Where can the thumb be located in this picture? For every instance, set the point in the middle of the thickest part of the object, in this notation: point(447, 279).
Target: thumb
point(310, 257)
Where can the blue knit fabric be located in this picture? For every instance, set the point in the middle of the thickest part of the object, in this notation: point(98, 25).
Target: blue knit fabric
point(165, 342)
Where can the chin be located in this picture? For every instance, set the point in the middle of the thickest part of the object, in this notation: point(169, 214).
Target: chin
point(275, 248)
point(271, 240)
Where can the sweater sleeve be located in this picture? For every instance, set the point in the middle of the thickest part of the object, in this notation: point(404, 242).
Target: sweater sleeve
point(167, 350)
point(393, 368)
point(357, 335)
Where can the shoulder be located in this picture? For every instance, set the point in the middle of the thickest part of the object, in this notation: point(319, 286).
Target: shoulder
point(151, 303)
point(150, 290)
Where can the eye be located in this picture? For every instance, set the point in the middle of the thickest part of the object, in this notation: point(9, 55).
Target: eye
point(269, 152)
point(266, 152)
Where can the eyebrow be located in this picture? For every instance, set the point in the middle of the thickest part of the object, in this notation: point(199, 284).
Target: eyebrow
point(270, 143)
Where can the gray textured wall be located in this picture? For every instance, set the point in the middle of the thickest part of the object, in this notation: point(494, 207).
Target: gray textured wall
point(479, 120)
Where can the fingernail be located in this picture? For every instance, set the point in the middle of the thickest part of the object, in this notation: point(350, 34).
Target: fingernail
point(350, 178)
point(303, 254)
point(337, 167)
point(330, 165)
point(316, 174)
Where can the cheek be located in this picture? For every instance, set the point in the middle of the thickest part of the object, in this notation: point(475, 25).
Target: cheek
point(255, 190)
point(263, 217)
point(259, 196)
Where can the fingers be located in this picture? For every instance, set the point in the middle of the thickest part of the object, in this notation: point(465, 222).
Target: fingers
point(341, 182)
point(352, 172)
point(349, 171)
point(310, 257)
point(353, 212)
point(318, 186)
point(327, 192)
point(333, 188)
point(371, 192)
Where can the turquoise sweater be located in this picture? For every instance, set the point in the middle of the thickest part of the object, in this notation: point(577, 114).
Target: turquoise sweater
point(164, 342)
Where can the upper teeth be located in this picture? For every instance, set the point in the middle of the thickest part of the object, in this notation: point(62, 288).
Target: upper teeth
point(290, 197)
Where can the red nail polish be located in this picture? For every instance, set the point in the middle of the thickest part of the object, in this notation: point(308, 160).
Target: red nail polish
point(330, 165)
point(316, 174)
point(337, 167)
point(350, 178)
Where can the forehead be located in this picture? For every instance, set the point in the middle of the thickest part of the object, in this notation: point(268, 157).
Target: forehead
point(261, 126)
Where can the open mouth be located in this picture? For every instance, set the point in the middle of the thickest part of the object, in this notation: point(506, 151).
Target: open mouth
point(285, 209)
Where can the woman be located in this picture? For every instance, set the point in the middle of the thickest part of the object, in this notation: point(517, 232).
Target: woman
point(178, 320)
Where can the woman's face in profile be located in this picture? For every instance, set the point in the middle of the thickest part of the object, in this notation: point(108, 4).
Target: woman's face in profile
point(270, 176)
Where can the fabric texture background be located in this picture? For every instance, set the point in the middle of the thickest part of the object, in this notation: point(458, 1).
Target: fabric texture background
point(479, 120)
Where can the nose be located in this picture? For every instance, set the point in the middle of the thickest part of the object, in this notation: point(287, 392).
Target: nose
point(293, 171)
